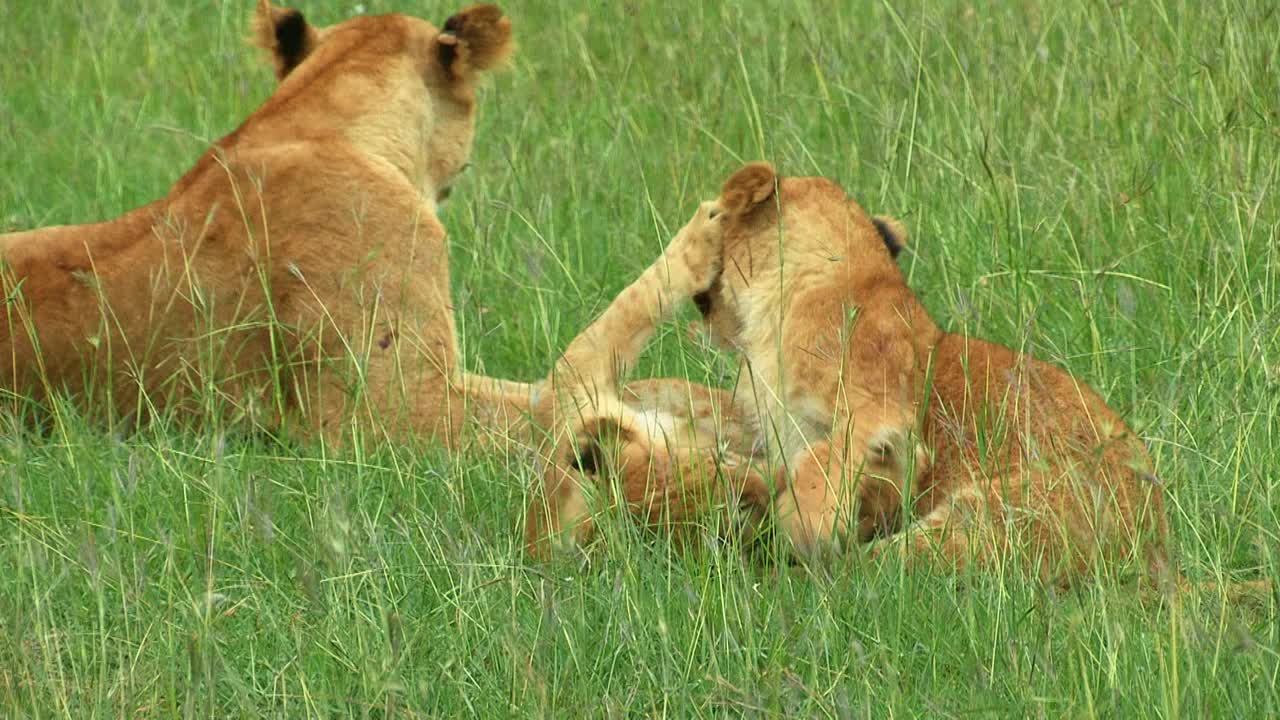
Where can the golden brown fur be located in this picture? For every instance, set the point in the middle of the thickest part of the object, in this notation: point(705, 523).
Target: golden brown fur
point(668, 451)
point(1028, 463)
point(298, 270)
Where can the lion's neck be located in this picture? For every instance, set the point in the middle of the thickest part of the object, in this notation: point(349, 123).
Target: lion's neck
point(383, 134)
point(783, 355)
point(795, 325)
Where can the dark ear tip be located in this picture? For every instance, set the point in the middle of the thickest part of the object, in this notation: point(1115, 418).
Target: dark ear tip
point(891, 232)
point(480, 38)
point(289, 19)
point(703, 302)
point(477, 19)
point(447, 52)
point(291, 38)
point(290, 28)
point(588, 459)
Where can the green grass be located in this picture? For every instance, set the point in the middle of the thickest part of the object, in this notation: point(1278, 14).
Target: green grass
point(1093, 182)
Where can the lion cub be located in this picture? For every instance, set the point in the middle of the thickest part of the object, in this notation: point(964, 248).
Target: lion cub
point(299, 269)
point(846, 366)
point(668, 451)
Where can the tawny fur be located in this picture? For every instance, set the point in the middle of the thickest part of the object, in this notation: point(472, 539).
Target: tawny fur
point(670, 452)
point(299, 269)
point(847, 369)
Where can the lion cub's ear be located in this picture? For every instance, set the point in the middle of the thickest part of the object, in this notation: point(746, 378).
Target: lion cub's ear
point(892, 232)
point(284, 34)
point(476, 39)
point(595, 440)
point(747, 188)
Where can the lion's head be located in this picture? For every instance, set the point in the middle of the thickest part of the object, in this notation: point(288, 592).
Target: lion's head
point(396, 86)
point(772, 222)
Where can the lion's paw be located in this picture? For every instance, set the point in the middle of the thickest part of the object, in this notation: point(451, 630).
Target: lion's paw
point(697, 250)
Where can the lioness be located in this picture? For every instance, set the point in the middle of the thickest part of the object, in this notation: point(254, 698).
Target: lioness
point(299, 269)
point(846, 366)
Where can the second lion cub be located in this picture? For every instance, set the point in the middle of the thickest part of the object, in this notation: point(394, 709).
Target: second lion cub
point(667, 451)
point(845, 364)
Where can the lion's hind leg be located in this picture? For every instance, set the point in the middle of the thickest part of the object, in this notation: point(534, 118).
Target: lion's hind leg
point(1052, 523)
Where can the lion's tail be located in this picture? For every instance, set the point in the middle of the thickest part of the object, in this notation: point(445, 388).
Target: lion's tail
point(1247, 592)
point(1167, 579)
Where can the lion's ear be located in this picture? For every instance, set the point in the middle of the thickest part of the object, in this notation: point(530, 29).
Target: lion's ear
point(747, 188)
point(595, 440)
point(286, 36)
point(476, 39)
point(892, 232)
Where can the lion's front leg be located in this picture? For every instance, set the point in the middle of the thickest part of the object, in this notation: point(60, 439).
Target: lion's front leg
point(853, 483)
point(850, 488)
point(376, 344)
point(406, 385)
point(376, 375)
point(966, 531)
point(602, 353)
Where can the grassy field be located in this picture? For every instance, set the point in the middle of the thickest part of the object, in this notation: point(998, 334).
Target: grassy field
point(1094, 182)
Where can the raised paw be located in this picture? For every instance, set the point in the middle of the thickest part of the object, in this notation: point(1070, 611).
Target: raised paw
point(698, 249)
